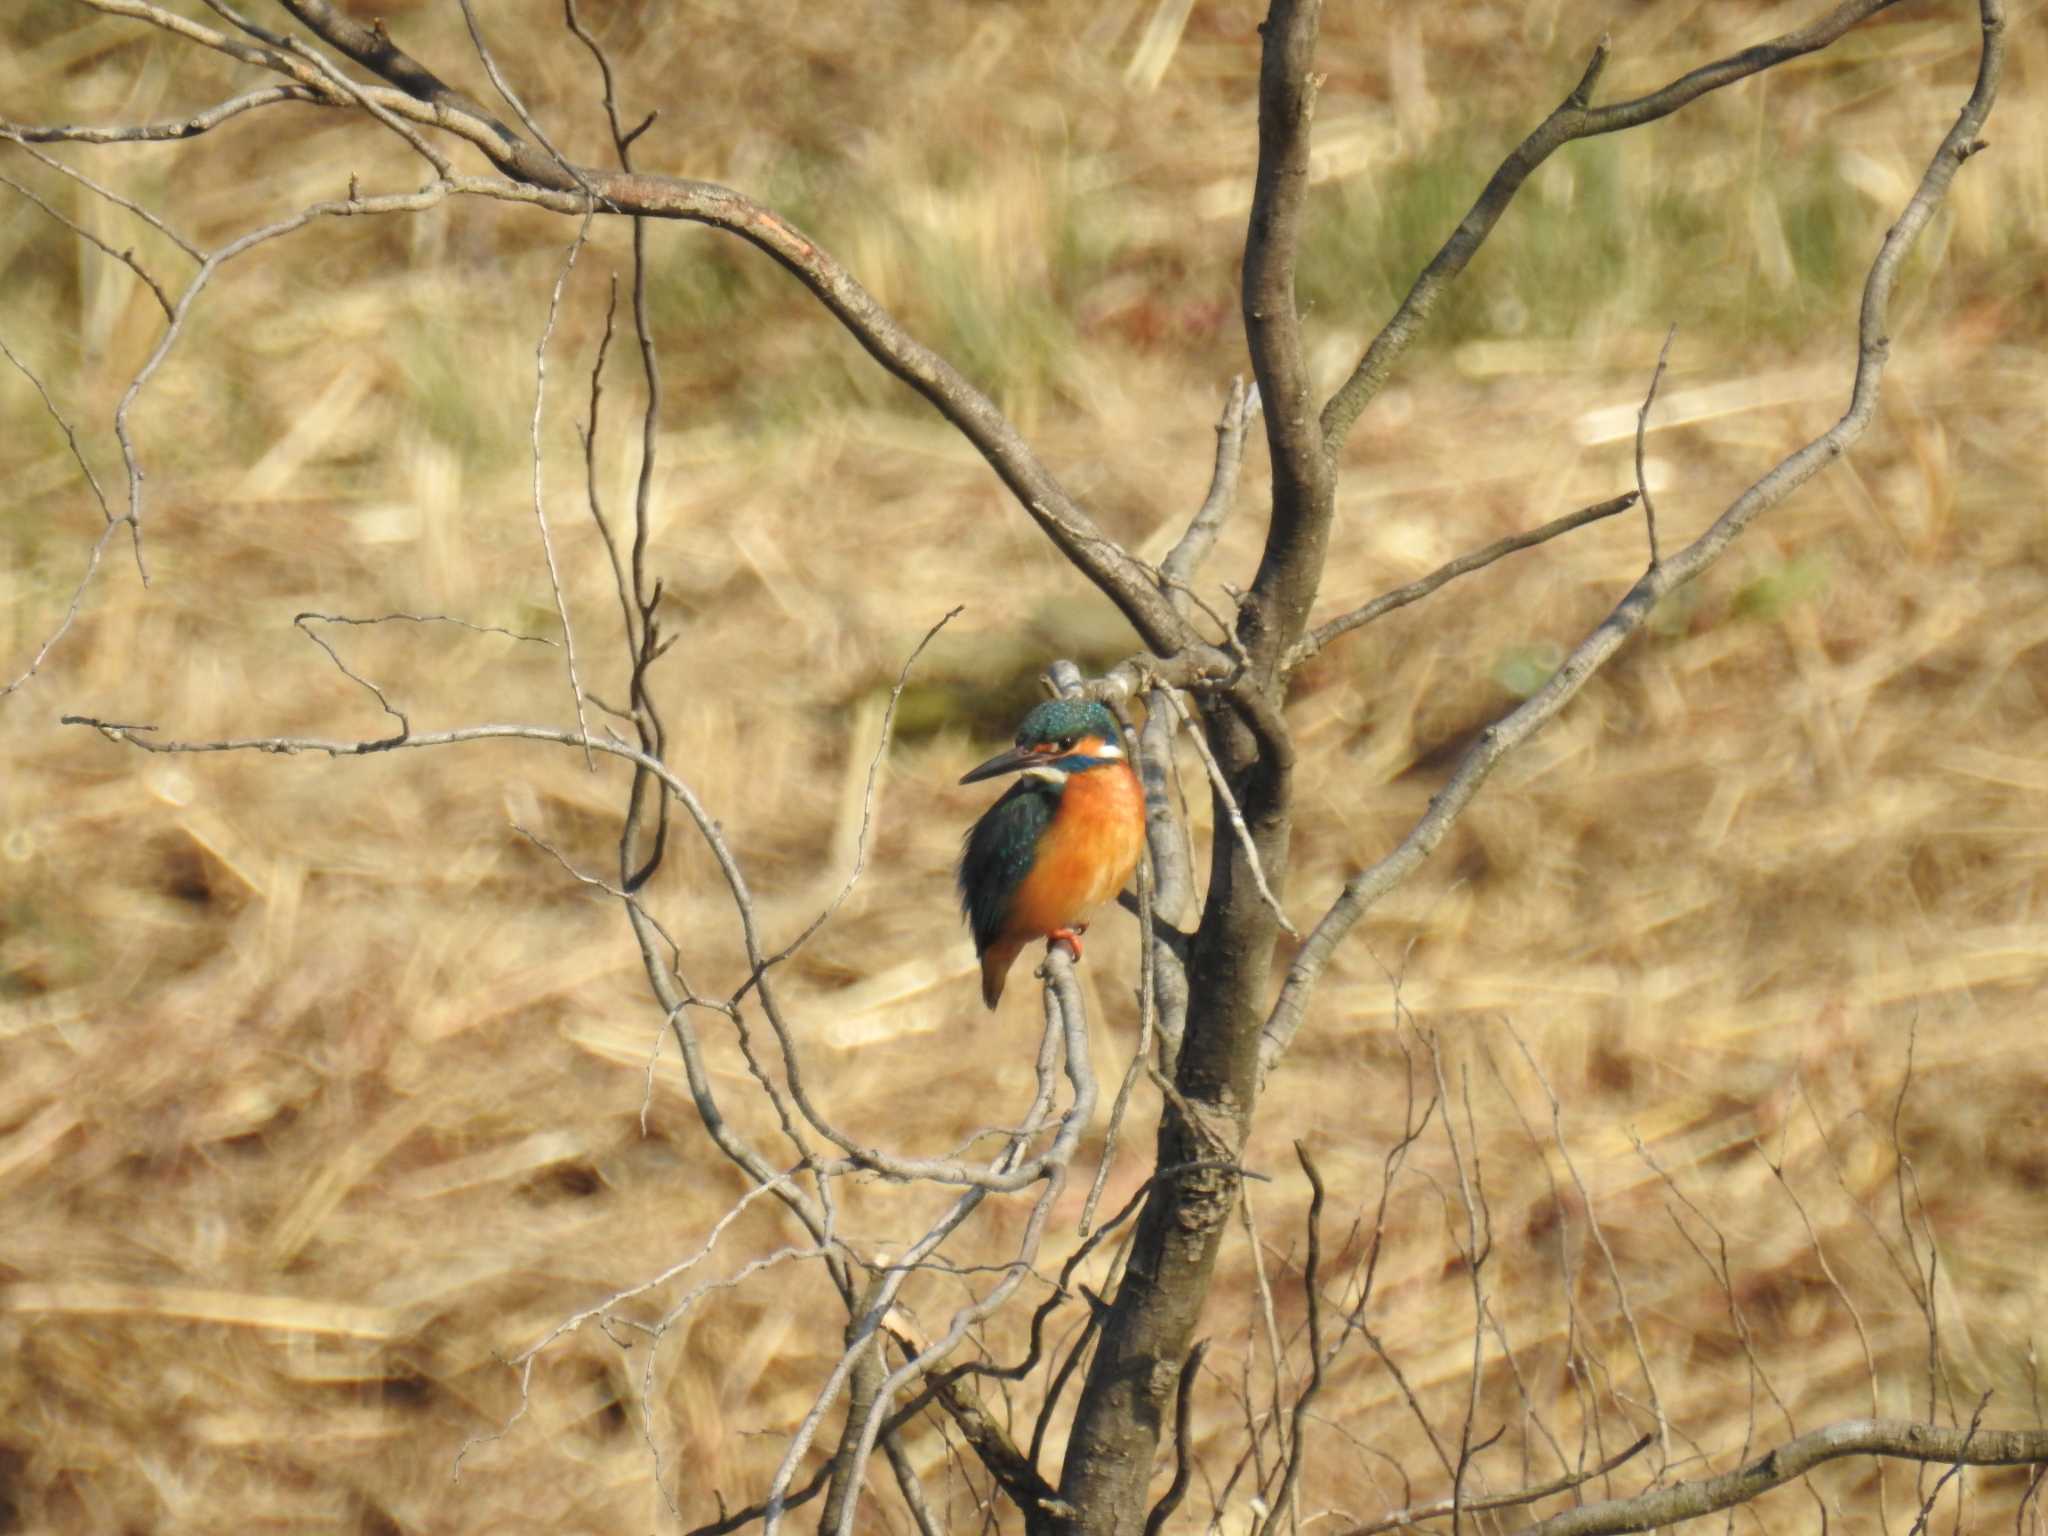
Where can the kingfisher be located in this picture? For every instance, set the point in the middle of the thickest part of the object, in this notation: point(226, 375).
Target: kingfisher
point(1062, 840)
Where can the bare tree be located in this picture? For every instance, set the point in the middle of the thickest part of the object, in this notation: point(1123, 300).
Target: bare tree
point(1217, 1020)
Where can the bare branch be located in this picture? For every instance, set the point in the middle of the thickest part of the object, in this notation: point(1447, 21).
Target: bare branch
point(429, 618)
point(1311, 1291)
point(1502, 737)
point(371, 102)
point(943, 1170)
point(106, 194)
point(1313, 642)
point(1298, 536)
point(1718, 1266)
point(1121, 576)
point(540, 515)
point(1899, 1438)
point(538, 177)
point(1011, 1469)
point(621, 140)
point(1414, 1516)
point(1240, 406)
point(490, 63)
point(407, 202)
point(1221, 785)
point(373, 49)
point(593, 489)
point(126, 258)
point(194, 32)
point(1934, 1493)
point(1276, 1352)
point(1064, 1014)
point(1599, 1234)
point(1474, 1247)
point(63, 425)
point(1642, 425)
point(869, 1367)
point(92, 564)
point(739, 1519)
point(1841, 1294)
point(1574, 118)
point(168, 129)
point(867, 798)
point(383, 703)
point(99, 545)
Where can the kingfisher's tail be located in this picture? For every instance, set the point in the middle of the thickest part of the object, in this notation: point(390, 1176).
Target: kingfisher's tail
point(996, 961)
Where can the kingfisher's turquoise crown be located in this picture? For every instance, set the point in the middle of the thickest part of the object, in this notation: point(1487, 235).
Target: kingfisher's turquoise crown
point(1061, 719)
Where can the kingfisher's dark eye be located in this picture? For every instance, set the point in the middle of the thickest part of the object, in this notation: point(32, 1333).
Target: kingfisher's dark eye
point(1066, 743)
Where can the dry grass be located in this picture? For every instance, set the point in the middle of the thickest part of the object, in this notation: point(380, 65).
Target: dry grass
point(322, 1088)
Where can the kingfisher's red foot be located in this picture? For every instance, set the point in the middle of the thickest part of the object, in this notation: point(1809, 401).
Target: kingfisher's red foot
point(1071, 937)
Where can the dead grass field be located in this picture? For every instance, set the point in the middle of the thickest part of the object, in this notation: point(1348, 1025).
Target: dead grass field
point(320, 1088)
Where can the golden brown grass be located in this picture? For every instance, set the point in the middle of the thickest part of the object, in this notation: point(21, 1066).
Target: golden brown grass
point(321, 1087)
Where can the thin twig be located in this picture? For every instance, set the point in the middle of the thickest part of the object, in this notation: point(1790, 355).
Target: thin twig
point(22, 136)
point(867, 799)
point(1276, 1352)
point(99, 545)
point(1311, 1291)
point(540, 515)
point(1642, 425)
point(592, 482)
point(1415, 591)
point(1407, 1518)
point(1599, 1236)
point(92, 565)
point(383, 703)
point(429, 618)
point(527, 1358)
point(126, 258)
point(1240, 409)
point(490, 63)
point(1848, 1304)
point(1221, 785)
point(1955, 1471)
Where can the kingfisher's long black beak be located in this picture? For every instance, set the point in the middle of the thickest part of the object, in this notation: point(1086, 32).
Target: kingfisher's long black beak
point(1012, 761)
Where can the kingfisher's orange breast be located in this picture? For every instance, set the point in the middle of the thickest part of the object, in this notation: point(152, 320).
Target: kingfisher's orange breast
point(1086, 855)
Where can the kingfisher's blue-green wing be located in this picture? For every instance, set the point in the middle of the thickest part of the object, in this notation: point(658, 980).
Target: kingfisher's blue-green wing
point(998, 854)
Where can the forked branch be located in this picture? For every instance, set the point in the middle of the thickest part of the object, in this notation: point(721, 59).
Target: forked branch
point(1574, 118)
point(1901, 1438)
point(1506, 734)
point(415, 98)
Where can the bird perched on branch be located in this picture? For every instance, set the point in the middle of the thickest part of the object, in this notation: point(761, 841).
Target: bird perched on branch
point(1064, 839)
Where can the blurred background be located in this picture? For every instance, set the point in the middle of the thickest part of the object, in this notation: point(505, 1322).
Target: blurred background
point(323, 1087)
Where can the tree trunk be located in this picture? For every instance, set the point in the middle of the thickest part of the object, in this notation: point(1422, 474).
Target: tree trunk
point(1127, 1400)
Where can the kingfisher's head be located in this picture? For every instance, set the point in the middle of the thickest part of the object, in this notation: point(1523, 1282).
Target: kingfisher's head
point(1058, 738)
